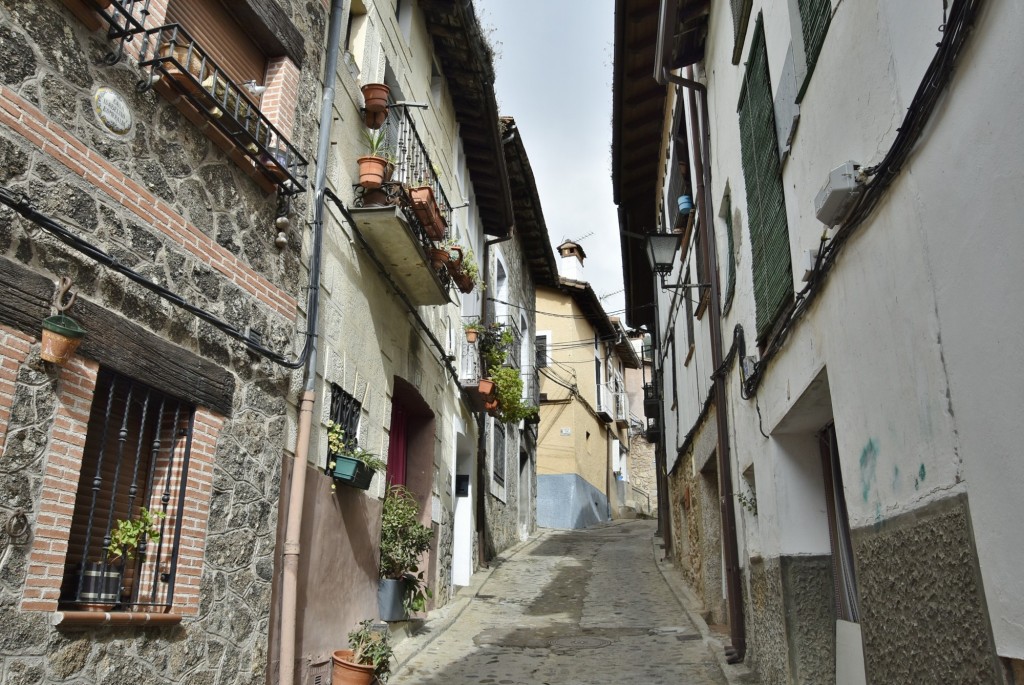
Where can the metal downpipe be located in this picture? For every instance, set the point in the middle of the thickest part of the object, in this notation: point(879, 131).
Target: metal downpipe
point(702, 169)
point(296, 495)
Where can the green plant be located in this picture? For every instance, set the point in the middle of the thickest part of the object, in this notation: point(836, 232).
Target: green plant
point(495, 342)
point(128, 534)
point(337, 444)
point(377, 143)
point(473, 325)
point(748, 500)
point(508, 390)
point(402, 540)
point(372, 648)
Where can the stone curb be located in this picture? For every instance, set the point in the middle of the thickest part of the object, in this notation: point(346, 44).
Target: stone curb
point(734, 674)
point(441, 619)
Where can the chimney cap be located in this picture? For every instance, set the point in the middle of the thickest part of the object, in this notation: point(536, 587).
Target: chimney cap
point(572, 249)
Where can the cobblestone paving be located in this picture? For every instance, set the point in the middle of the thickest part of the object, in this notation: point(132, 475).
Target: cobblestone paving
point(570, 608)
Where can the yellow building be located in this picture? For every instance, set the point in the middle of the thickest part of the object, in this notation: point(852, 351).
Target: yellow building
point(583, 444)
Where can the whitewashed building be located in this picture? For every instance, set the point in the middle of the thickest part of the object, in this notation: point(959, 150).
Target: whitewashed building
point(837, 372)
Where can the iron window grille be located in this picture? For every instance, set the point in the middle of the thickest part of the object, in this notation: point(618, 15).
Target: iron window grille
point(499, 453)
point(136, 456)
point(345, 411)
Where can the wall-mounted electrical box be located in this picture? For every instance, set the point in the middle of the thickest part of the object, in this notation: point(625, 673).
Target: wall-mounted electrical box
point(835, 200)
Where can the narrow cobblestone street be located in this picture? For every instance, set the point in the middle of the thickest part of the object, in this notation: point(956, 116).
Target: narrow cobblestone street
point(572, 608)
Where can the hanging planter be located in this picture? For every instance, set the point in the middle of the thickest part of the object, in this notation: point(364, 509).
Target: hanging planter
point(375, 120)
point(485, 386)
point(375, 95)
point(491, 406)
point(61, 337)
point(352, 471)
point(464, 281)
point(427, 211)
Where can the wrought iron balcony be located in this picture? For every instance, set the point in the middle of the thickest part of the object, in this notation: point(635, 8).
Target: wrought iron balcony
point(514, 356)
point(389, 222)
point(652, 400)
point(411, 167)
point(179, 68)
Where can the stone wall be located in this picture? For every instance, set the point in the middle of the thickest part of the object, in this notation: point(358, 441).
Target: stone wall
point(168, 203)
point(920, 569)
point(767, 647)
point(642, 475)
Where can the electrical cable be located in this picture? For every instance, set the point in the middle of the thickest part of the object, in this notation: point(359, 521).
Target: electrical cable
point(933, 83)
point(21, 203)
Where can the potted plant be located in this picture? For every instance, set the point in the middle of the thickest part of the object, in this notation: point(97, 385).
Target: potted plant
point(375, 97)
point(101, 580)
point(402, 540)
point(61, 337)
point(467, 275)
point(448, 255)
point(348, 463)
point(495, 342)
point(472, 329)
point(368, 657)
point(424, 204)
point(373, 167)
point(508, 392)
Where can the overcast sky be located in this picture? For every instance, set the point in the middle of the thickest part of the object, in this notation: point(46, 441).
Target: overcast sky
point(554, 76)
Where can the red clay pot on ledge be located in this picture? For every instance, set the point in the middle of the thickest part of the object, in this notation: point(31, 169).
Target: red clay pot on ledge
point(372, 171)
point(427, 211)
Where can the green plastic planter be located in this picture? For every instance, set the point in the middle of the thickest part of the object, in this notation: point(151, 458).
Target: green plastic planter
point(352, 472)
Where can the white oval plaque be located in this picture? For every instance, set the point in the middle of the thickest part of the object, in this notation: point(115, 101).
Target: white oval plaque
point(112, 110)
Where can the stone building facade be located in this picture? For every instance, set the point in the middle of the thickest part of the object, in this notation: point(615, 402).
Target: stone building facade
point(142, 194)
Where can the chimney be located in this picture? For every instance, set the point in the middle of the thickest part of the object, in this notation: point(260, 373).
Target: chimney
point(571, 264)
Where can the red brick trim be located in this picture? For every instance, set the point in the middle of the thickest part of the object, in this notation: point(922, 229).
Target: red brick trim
point(14, 349)
point(282, 94)
point(26, 120)
point(46, 560)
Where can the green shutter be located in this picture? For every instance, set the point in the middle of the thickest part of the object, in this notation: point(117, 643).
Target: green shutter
point(740, 16)
point(730, 287)
point(815, 16)
point(766, 206)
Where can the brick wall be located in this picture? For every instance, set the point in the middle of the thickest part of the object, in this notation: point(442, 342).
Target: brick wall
point(14, 347)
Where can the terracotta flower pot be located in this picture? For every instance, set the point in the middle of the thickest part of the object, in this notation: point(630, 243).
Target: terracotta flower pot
point(376, 97)
point(61, 337)
point(439, 258)
point(347, 673)
point(427, 211)
point(372, 171)
point(485, 386)
point(471, 335)
point(374, 120)
point(491, 406)
point(464, 281)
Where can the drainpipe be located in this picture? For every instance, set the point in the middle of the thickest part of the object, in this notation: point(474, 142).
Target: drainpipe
point(702, 170)
point(296, 495)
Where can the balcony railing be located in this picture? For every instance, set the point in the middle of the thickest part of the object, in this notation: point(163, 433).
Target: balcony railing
point(514, 356)
point(412, 168)
point(179, 67)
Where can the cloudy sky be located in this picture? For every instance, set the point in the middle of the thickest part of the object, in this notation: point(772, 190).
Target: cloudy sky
point(554, 71)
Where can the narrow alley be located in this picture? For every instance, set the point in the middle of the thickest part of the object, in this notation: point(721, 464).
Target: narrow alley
point(569, 607)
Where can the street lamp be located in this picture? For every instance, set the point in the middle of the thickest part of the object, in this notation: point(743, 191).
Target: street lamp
point(661, 251)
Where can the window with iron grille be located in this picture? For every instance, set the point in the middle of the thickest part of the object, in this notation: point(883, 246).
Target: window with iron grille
point(815, 16)
point(540, 348)
point(134, 465)
point(345, 411)
point(766, 206)
point(499, 452)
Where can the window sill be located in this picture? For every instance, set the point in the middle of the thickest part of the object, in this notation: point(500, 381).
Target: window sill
point(112, 618)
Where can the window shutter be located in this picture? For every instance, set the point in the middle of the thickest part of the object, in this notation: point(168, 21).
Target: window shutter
point(815, 16)
point(223, 38)
point(762, 172)
point(740, 17)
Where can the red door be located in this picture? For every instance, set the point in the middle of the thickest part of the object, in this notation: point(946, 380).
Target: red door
point(397, 446)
